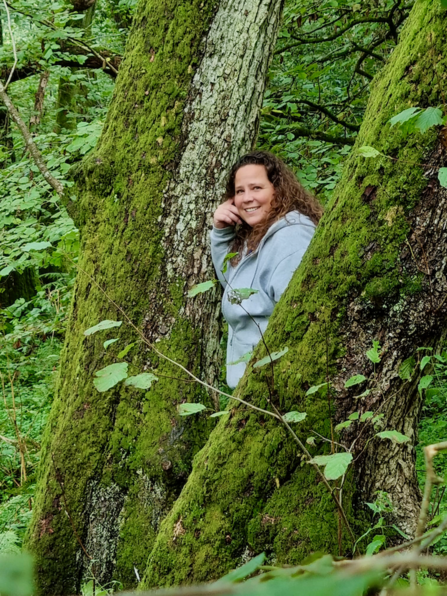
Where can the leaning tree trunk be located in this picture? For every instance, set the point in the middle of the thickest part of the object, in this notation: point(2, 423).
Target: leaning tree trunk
point(185, 107)
point(376, 270)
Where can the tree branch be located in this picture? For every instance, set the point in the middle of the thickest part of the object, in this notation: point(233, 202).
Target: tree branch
point(302, 41)
point(316, 135)
point(31, 146)
point(331, 115)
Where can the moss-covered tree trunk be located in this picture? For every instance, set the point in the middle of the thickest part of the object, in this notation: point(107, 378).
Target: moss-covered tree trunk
point(376, 270)
point(186, 105)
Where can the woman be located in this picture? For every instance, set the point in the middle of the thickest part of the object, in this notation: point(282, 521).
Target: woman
point(268, 219)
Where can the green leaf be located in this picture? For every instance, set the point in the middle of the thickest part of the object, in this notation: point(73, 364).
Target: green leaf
point(424, 382)
point(406, 368)
point(425, 360)
point(335, 465)
point(442, 175)
point(404, 116)
point(365, 416)
point(355, 380)
point(342, 425)
point(376, 544)
point(444, 4)
point(373, 355)
point(201, 288)
point(6, 271)
point(227, 258)
point(354, 416)
point(239, 574)
point(394, 436)
point(311, 441)
point(109, 376)
point(108, 342)
point(141, 381)
point(238, 295)
point(126, 350)
point(188, 409)
point(399, 531)
point(268, 359)
point(35, 246)
point(366, 151)
point(294, 416)
point(364, 394)
point(16, 575)
point(428, 118)
point(316, 388)
point(245, 358)
point(217, 414)
point(102, 326)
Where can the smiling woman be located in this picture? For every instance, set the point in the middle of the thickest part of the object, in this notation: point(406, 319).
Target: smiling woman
point(266, 224)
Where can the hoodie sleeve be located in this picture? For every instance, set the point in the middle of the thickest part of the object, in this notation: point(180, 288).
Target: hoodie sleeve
point(287, 265)
point(220, 246)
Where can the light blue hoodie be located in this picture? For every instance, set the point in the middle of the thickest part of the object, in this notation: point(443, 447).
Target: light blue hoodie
point(268, 270)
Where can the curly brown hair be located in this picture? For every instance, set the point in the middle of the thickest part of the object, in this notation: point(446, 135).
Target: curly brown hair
point(289, 195)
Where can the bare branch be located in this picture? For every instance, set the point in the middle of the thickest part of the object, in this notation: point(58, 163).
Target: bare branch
point(31, 146)
point(14, 50)
point(39, 99)
point(331, 115)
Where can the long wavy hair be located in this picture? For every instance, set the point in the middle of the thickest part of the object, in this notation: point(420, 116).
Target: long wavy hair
point(289, 195)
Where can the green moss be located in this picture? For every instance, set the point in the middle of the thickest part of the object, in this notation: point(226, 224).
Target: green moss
point(249, 491)
point(124, 438)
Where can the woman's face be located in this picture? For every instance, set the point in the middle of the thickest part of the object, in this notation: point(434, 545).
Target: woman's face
point(254, 193)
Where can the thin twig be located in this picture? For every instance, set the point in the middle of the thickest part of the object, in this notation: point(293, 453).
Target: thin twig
point(13, 44)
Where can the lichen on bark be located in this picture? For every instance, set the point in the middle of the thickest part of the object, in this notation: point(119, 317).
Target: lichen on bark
point(362, 279)
point(185, 106)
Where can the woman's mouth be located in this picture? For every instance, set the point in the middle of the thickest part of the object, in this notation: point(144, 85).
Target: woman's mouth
point(251, 209)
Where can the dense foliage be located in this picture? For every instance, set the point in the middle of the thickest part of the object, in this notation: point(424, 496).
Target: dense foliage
point(67, 59)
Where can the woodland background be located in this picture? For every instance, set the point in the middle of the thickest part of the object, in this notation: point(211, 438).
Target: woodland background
point(68, 57)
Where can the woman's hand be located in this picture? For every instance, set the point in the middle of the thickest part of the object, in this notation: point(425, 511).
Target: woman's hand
point(226, 215)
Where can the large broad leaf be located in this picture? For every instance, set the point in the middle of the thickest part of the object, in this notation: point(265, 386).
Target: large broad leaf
point(141, 381)
point(241, 573)
point(201, 288)
point(393, 435)
point(244, 358)
point(366, 151)
point(102, 326)
point(442, 175)
point(428, 118)
point(406, 368)
point(35, 246)
point(355, 380)
point(425, 360)
point(425, 382)
point(373, 355)
point(227, 258)
point(240, 294)
point(376, 544)
point(335, 465)
point(316, 388)
point(294, 416)
point(109, 376)
point(188, 409)
point(6, 271)
point(268, 359)
point(404, 116)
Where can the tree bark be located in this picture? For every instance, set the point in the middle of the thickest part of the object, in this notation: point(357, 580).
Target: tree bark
point(375, 270)
point(186, 105)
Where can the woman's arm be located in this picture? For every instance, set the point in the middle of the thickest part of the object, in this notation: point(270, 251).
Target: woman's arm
point(220, 246)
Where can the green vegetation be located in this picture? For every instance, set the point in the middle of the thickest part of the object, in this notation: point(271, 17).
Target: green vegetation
point(250, 489)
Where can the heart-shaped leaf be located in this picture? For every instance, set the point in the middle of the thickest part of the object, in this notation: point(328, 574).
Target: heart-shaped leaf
point(188, 409)
point(141, 381)
point(109, 376)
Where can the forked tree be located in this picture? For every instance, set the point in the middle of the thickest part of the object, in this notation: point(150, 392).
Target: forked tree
point(375, 272)
point(186, 105)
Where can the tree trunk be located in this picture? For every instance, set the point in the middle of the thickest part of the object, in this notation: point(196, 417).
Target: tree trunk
point(185, 107)
point(72, 95)
point(375, 270)
point(18, 285)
